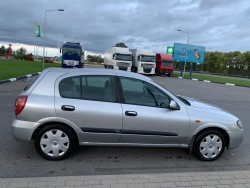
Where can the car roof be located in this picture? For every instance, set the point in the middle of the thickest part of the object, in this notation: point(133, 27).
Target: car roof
point(96, 71)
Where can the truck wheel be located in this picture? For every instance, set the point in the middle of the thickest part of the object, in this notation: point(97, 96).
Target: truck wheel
point(209, 145)
point(169, 74)
point(55, 142)
point(105, 66)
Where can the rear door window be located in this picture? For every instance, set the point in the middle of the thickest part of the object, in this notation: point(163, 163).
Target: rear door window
point(70, 87)
point(101, 88)
point(98, 88)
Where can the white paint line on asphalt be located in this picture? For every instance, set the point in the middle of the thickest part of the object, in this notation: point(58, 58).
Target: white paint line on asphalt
point(29, 75)
point(194, 79)
point(230, 84)
point(180, 77)
point(206, 81)
point(12, 79)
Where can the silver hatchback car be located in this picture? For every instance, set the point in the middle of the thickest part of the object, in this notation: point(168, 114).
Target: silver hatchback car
point(65, 107)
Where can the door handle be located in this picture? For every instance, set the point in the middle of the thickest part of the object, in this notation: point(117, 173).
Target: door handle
point(131, 113)
point(68, 108)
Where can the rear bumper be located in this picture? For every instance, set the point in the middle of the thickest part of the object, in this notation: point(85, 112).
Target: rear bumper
point(22, 130)
point(236, 138)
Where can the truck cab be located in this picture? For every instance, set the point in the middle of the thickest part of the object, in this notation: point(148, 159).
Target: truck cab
point(164, 64)
point(72, 55)
point(143, 61)
point(118, 58)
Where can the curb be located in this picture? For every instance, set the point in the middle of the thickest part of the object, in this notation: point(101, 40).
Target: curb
point(229, 84)
point(19, 78)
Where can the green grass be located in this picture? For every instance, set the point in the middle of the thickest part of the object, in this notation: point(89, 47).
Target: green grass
point(16, 68)
point(216, 79)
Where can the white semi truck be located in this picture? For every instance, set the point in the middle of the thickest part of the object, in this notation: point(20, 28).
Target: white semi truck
point(143, 61)
point(118, 58)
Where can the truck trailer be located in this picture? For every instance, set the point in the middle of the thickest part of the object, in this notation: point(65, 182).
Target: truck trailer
point(164, 64)
point(118, 58)
point(143, 61)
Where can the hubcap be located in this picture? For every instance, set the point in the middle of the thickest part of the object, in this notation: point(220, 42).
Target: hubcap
point(211, 146)
point(54, 143)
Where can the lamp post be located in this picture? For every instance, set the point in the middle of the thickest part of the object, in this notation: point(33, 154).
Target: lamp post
point(186, 49)
point(44, 31)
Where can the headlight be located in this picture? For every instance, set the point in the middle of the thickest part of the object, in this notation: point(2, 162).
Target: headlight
point(239, 124)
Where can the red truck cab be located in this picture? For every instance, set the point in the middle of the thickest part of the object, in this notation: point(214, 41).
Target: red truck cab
point(164, 64)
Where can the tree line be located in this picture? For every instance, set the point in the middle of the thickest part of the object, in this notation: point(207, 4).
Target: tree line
point(20, 53)
point(224, 63)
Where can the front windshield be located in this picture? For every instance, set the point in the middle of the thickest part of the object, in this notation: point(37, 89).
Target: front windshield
point(167, 63)
point(147, 58)
point(124, 57)
point(71, 51)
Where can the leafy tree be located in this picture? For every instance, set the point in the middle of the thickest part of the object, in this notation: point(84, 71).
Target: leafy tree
point(121, 44)
point(21, 51)
point(2, 50)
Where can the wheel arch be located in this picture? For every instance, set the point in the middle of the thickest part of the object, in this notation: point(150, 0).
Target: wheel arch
point(221, 130)
point(51, 123)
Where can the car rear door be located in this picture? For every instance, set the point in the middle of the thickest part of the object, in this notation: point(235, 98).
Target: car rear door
point(89, 103)
point(144, 121)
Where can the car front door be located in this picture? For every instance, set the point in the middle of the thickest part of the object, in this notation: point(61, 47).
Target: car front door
point(147, 118)
point(89, 102)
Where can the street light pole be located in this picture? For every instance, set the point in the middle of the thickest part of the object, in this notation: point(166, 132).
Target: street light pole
point(44, 31)
point(186, 50)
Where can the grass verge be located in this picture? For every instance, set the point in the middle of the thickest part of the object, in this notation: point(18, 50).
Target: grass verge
point(16, 68)
point(217, 79)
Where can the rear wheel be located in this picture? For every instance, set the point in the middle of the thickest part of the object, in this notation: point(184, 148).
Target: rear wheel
point(55, 142)
point(209, 145)
point(169, 74)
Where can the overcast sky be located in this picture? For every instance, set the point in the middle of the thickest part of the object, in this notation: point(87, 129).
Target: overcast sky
point(222, 25)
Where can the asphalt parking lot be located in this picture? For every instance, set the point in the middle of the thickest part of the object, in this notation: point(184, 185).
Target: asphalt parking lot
point(21, 160)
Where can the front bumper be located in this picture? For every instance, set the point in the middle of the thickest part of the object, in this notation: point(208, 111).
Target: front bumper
point(166, 72)
point(235, 138)
point(22, 130)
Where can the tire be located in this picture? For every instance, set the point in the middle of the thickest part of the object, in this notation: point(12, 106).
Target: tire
point(169, 74)
point(105, 66)
point(50, 137)
point(212, 148)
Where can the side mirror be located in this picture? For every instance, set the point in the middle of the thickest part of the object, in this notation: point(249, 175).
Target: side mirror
point(60, 50)
point(173, 105)
point(138, 58)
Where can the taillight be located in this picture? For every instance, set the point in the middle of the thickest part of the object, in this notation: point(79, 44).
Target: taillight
point(20, 104)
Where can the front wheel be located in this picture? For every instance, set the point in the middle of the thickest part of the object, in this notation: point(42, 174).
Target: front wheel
point(55, 142)
point(209, 145)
